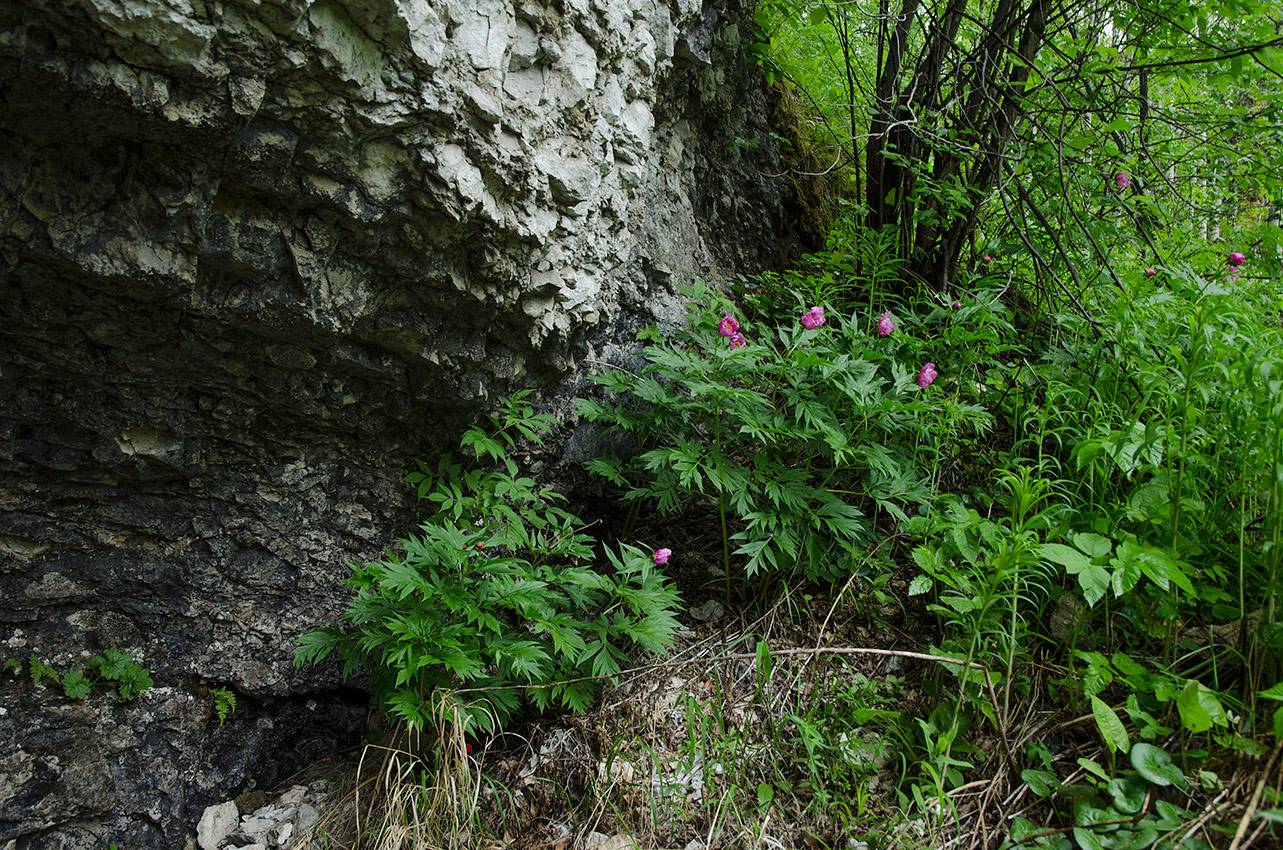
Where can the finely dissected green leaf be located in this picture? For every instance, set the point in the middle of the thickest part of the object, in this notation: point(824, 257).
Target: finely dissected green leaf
point(1156, 765)
point(1111, 728)
point(39, 670)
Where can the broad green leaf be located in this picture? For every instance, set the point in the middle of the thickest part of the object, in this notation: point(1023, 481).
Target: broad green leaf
point(1111, 728)
point(1275, 692)
point(1095, 545)
point(1042, 782)
point(1128, 793)
point(1071, 559)
point(1088, 840)
point(765, 794)
point(1093, 578)
point(1194, 716)
point(1156, 765)
point(75, 685)
point(920, 585)
point(1092, 767)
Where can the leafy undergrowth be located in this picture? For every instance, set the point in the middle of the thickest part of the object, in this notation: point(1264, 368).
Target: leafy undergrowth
point(910, 578)
point(812, 727)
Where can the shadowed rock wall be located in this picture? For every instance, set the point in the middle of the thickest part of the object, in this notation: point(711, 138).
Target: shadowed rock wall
point(255, 257)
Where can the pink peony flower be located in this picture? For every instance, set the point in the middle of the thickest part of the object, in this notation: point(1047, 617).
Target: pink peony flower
point(727, 326)
point(1236, 259)
point(737, 340)
point(813, 318)
point(1122, 180)
point(927, 375)
point(1149, 272)
point(661, 556)
point(886, 324)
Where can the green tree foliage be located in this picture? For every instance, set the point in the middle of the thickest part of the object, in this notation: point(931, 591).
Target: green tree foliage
point(997, 127)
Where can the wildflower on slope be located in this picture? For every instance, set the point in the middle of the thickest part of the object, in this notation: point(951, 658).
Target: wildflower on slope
point(661, 556)
point(728, 326)
point(813, 318)
point(1122, 180)
point(886, 324)
point(737, 340)
point(1237, 259)
point(927, 374)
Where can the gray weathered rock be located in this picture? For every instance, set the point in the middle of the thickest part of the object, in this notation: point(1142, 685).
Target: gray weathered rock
point(216, 824)
point(255, 257)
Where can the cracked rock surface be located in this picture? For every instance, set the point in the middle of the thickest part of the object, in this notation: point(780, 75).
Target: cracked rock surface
point(256, 257)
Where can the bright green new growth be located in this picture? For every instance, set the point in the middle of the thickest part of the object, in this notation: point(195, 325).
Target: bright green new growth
point(224, 703)
point(113, 668)
point(497, 599)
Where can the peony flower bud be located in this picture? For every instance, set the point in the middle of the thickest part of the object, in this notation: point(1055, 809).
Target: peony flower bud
point(927, 375)
point(813, 318)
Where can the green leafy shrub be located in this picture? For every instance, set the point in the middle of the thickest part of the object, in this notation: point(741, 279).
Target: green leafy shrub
point(496, 597)
point(799, 436)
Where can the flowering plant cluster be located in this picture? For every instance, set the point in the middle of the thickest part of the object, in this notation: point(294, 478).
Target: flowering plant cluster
point(730, 328)
point(797, 442)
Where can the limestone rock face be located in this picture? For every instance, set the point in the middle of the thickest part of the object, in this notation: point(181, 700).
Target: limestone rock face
point(255, 257)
